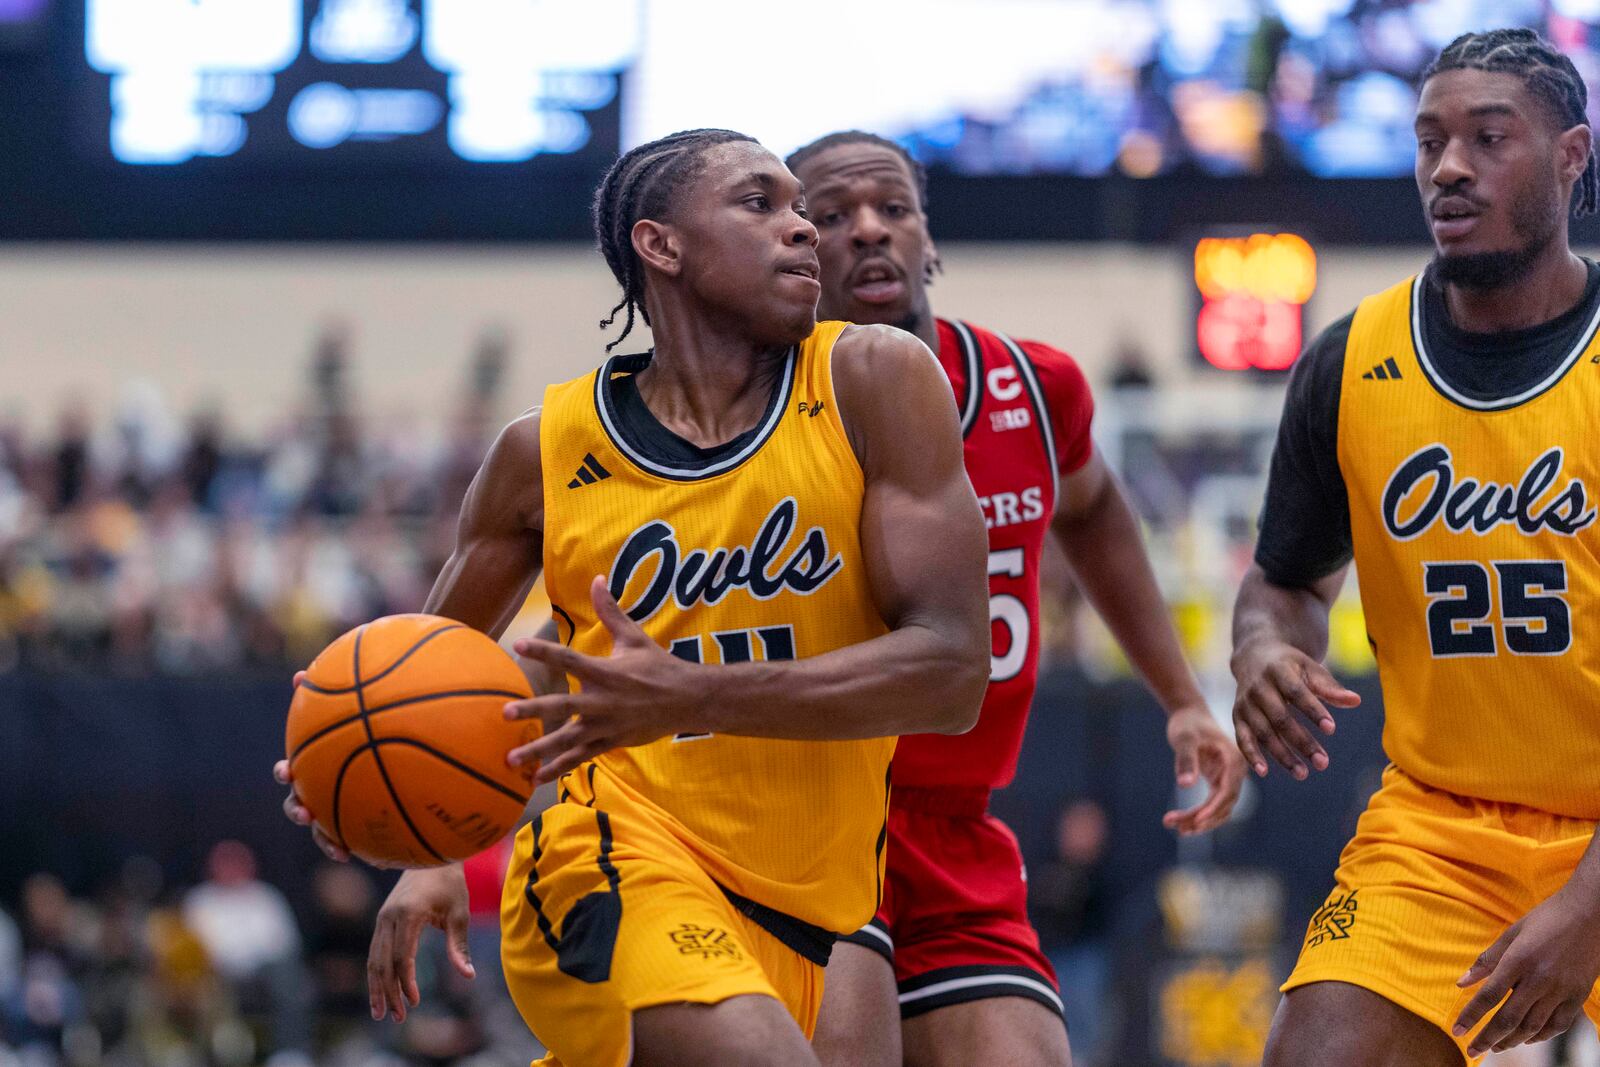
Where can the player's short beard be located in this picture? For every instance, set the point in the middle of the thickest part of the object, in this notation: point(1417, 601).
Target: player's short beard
point(1533, 220)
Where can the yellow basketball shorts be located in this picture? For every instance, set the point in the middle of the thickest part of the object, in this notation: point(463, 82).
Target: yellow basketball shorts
point(1429, 881)
point(604, 914)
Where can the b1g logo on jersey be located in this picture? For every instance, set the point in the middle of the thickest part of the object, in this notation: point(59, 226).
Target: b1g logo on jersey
point(1467, 504)
point(705, 576)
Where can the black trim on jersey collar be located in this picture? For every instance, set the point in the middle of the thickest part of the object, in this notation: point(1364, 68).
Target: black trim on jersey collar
point(688, 471)
point(974, 361)
point(1041, 410)
point(1455, 396)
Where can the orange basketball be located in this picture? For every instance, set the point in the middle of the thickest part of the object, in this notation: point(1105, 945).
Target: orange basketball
point(397, 741)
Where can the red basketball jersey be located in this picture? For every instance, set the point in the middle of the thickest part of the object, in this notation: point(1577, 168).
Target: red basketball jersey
point(1025, 414)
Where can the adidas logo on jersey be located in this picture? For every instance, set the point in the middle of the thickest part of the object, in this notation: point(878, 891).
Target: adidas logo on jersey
point(589, 473)
point(1388, 370)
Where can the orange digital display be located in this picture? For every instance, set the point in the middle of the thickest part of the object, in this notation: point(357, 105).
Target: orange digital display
point(1253, 290)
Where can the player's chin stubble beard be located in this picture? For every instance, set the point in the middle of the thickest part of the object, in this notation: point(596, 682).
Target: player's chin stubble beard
point(1532, 220)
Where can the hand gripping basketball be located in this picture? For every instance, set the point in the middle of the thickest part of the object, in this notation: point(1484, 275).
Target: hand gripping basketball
point(638, 694)
point(396, 745)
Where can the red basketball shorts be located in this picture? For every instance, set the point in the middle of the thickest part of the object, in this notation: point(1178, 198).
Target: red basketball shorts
point(954, 920)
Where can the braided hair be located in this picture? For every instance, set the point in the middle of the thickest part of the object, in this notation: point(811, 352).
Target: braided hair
point(642, 184)
point(1547, 73)
point(919, 173)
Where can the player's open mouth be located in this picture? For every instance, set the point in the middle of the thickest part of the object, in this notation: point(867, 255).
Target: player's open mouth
point(1452, 218)
point(877, 283)
point(808, 271)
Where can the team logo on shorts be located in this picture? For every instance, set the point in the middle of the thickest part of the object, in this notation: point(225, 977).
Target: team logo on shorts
point(707, 942)
point(1333, 920)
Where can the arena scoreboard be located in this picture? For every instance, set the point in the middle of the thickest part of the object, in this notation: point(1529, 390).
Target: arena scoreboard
point(1251, 290)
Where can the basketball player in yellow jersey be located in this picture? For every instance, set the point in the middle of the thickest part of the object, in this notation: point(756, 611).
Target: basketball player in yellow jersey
point(766, 564)
point(1444, 435)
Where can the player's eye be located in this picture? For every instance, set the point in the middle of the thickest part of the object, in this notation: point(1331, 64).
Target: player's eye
point(1429, 144)
point(896, 211)
point(759, 201)
point(1488, 139)
point(829, 218)
point(800, 209)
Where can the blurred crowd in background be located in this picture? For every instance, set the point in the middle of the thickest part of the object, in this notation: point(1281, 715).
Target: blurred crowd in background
point(226, 973)
point(150, 544)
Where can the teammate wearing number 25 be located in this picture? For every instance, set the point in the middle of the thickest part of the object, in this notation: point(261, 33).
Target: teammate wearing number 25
point(1444, 435)
point(950, 964)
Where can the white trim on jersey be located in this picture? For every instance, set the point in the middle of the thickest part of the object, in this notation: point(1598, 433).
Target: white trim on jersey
point(974, 361)
point(1499, 403)
point(1031, 378)
point(692, 473)
point(953, 984)
point(872, 929)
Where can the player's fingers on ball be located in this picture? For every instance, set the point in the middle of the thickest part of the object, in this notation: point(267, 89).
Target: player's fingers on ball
point(548, 652)
point(280, 772)
point(299, 676)
point(549, 745)
point(328, 845)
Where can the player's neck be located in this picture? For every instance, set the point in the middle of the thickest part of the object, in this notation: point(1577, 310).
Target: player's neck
point(925, 327)
point(708, 384)
point(1552, 286)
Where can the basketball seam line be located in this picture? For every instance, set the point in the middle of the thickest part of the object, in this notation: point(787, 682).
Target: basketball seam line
point(326, 730)
point(381, 675)
point(377, 757)
point(452, 761)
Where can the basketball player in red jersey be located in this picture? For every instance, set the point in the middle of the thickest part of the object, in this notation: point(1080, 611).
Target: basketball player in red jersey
point(952, 943)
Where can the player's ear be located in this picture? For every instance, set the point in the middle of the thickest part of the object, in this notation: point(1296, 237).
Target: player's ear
point(931, 264)
point(658, 245)
point(1572, 150)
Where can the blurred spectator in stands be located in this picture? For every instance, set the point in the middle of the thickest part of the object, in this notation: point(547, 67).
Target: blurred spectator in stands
point(1130, 367)
point(69, 469)
point(251, 938)
point(337, 938)
point(1067, 903)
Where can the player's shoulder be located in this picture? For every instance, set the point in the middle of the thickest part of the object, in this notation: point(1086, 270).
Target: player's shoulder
point(865, 357)
point(1321, 365)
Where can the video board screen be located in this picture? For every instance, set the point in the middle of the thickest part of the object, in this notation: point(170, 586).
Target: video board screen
point(982, 87)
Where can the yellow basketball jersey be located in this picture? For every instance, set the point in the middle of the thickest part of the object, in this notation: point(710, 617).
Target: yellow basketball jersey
point(1475, 542)
point(756, 556)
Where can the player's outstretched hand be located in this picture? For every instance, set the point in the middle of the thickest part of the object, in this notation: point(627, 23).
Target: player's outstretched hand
point(1201, 748)
point(297, 812)
point(1278, 686)
point(639, 693)
point(434, 896)
point(1547, 961)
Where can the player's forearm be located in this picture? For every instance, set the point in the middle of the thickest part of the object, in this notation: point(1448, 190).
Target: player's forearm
point(916, 679)
point(1293, 615)
point(1108, 559)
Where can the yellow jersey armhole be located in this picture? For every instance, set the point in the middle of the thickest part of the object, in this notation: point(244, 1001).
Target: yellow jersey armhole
point(823, 371)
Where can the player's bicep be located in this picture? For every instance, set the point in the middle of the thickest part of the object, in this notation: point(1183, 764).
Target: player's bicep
point(1084, 489)
point(922, 533)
